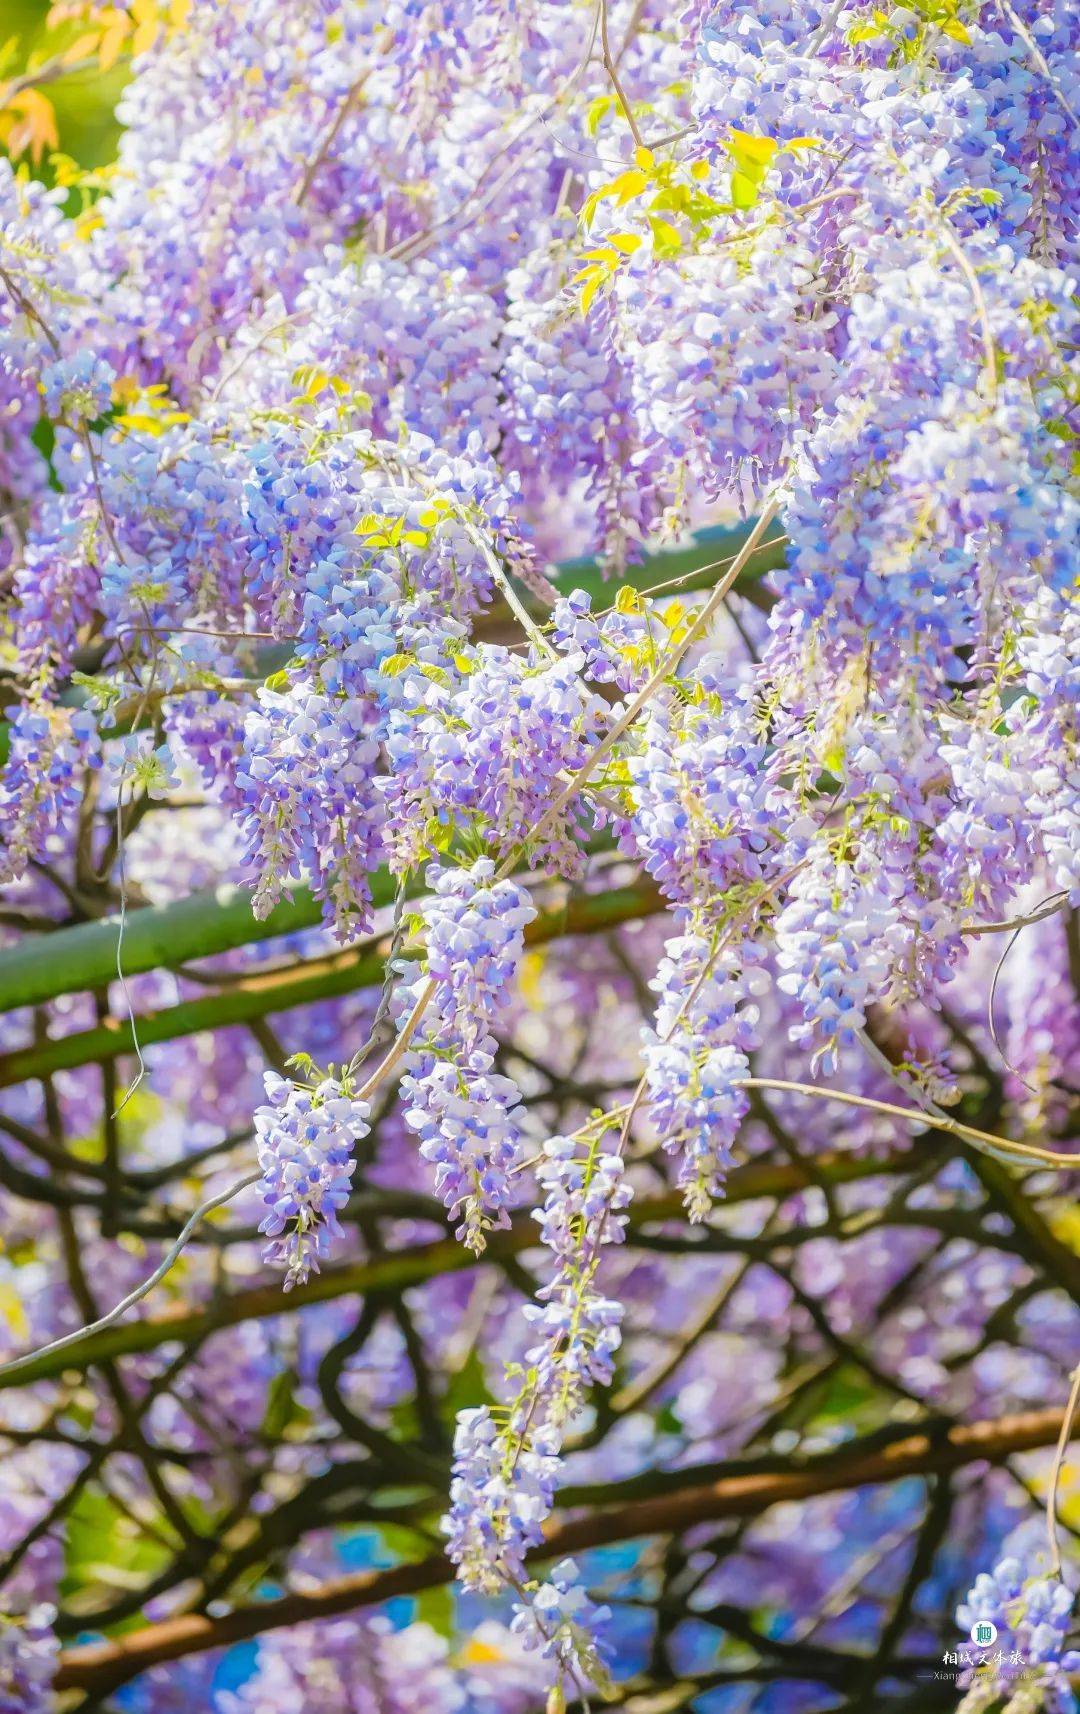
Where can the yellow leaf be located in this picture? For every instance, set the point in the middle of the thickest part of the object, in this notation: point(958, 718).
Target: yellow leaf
point(595, 112)
point(112, 43)
point(643, 158)
point(699, 171)
point(592, 202)
point(628, 600)
point(87, 223)
point(627, 242)
point(589, 291)
point(140, 423)
point(1064, 1223)
point(12, 1310)
point(628, 185)
point(145, 36)
point(745, 147)
point(477, 1653)
point(30, 124)
point(82, 46)
point(529, 972)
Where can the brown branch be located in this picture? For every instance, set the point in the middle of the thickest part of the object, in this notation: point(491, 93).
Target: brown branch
point(612, 69)
point(402, 1268)
point(101, 1667)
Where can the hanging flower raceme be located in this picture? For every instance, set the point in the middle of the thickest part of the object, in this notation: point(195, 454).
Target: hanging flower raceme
point(702, 791)
point(310, 807)
point(506, 1470)
point(833, 951)
point(560, 1620)
point(492, 743)
point(28, 1656)
point(696, 1057)
point(1031, 1615)
point(499, 1498)
point(305, 1145)
point(467, 1114)
point(49, 750)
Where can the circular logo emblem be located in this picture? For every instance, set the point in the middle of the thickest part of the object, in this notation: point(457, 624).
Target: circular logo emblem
point(983, 1633)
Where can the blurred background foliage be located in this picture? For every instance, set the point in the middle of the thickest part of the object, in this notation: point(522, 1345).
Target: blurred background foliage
point(62, 68)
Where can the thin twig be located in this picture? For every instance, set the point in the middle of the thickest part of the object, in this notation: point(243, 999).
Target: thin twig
point(1002, 1147)
point(611, 67)
point(1055, 1472)
point(119, 1310)
point(955, 249)
point(1050, 907)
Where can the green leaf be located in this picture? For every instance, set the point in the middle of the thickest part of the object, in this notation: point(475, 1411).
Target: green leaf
point(394, 665)
point(666, 238)
point(281, 1407)
point(596, 112)
point(435, 1607)
point(744, 191)
point(101, 1543)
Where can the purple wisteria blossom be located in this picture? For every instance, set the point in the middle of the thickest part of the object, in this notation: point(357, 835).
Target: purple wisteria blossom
point(306, 1139)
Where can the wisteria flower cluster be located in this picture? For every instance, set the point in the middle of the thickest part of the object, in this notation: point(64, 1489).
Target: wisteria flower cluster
point(1031, 1615)
point(354, 426)
point(305, 1147)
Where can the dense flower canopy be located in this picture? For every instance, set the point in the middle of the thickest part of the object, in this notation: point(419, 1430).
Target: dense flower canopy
point(638, 968)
